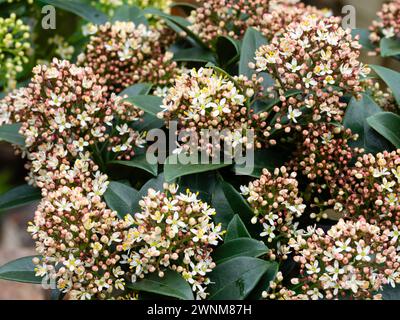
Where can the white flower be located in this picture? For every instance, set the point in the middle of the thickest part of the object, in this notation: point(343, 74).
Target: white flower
point(244, 190)
point(72, 263)
point(394, 234)
point(220, 108)
point(268, 231)
point(56, 100)
point(175, 223)
point(124, 129)
point(309, 80)
point(293, 114)
point(335, 270)
point(363, 253)
point(89, 29)
point(314, 268)
point(387, 185)
point(293, 67)
point(388, 32)
point(80, 144)
point(342, 246)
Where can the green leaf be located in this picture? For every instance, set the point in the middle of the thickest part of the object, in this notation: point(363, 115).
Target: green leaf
point(356, 119)
point(390, 293)
point(390, 47)
point(196, 54)
point(388, 125)
point(138, 89)
point(228, 202)
point(121, 198)
point(79, 8)
point(392, 79)
point(241, 247)
point(150, 104)
point(236, 229)
point(270, 159)
point(130, 14)
point(20, 270)
point(180, 24)
point(227, 50)
point(234, 279)
point(364, 38)
point(174, 169)
point(148, 122)
point(10, 133)
point(252, 40)
point(171, 285)
point(19, 197)
point(140, 162)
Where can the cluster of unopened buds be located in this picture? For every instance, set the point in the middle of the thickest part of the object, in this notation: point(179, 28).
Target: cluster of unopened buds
point(215, 18)
point(75, 234)
point(314, 63)
point(173, 231)
point(371, 189)
point(353, 260)
point(123, 54)
point(206, 100)
point(276, 203)
point(388, 24)
point(14, 50)
point(323, 157)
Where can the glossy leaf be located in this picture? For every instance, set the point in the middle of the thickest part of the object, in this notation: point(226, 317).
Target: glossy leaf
point(236, 229)
point(121, 198)
point(392, 79)
point(10, 133)
point(234, 279)
point(171, 285)
point(130, 14)
point(241, 247)
point(227, 49)
point(20, 270)
point(150, 104)
point(140, 162)
point(356, 119)
point(79, 8)
point(388, 125)
point(390, 47)
point(18, 197)
point(174, 169)
point(227, 202)
point(252, 40)
point(138, 89)
point(364, 38)
point(195, 54)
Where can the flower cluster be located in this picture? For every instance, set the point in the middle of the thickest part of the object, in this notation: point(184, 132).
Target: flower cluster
point(313, 64)
point(388, 25)
point(372, 189)
point(204, 99)
point(232, 18)
point(75, 234)
point(173, 231)
point(123, 54)
point(281, 15)
point(276, 203)
point(353, 260)
point(64, 111)
point(323, 158)
point(14, 50)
